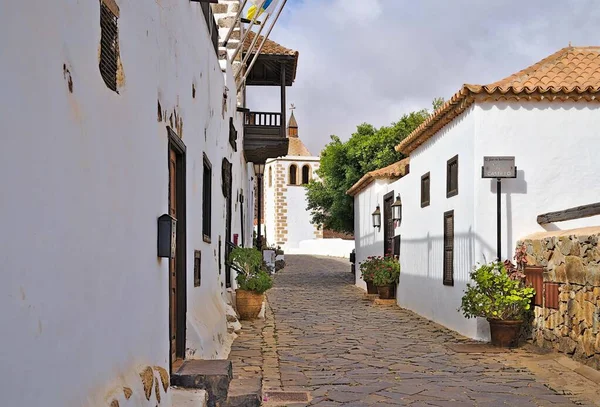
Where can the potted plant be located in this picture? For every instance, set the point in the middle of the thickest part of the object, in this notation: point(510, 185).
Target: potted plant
point(500, 295)
point(367, 269)
point(385, 277)
point(252, 281)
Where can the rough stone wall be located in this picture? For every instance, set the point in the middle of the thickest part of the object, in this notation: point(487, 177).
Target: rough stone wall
point(573, 262)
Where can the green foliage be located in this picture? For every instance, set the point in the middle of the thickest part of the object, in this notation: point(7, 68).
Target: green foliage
point(258, 282)
point(380, 270)
point(344, 163)
point(251, 276)
point(495, 294)
point(249, 259)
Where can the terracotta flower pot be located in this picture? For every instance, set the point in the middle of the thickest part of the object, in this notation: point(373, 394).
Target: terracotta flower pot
point(248, 304)
point(371, 289)
point(505, 334)
point(386, 292)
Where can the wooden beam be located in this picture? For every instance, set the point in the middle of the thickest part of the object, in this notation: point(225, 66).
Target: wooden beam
point(578, 212)
point(283, 102)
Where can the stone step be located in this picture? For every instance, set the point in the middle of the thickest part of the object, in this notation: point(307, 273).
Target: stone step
point(188, 397)
point(213, 376)
point(244, 392)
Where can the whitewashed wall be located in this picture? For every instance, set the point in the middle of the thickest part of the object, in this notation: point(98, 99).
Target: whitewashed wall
point(85, 306)
point(555, 147)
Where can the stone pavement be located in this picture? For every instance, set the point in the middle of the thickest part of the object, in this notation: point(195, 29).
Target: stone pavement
point(324, 339)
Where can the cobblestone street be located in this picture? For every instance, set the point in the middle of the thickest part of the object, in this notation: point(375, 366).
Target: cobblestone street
point(322, 337)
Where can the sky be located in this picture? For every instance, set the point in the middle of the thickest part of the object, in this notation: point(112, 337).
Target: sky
point(375, 60)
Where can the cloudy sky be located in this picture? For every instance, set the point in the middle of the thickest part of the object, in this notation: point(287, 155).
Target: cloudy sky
point(374, 60)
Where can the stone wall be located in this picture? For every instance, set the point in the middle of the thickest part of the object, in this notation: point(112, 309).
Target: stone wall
point(571, 260)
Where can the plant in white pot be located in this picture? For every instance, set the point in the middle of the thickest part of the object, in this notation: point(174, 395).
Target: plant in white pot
point(500, 295)
point(253, 281)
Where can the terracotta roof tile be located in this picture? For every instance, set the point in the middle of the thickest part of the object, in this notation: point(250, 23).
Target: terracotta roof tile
point(572, 73)
point(395, 170)
point(298, 148)
point(270, 47)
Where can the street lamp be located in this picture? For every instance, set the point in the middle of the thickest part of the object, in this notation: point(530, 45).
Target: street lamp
point(397, 209)
point(259, 170)
point(377, 218)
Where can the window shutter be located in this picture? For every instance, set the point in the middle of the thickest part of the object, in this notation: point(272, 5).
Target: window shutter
point(109, 47)
point(449, 248)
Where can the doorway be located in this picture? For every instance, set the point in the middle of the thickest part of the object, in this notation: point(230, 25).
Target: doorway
point(388, 224)
point(227, 192)
point(177, 265)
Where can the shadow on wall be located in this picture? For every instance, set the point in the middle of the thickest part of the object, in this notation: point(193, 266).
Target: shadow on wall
point(510, 186)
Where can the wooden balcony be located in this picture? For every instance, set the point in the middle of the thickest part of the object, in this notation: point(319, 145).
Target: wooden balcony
point(264, 136)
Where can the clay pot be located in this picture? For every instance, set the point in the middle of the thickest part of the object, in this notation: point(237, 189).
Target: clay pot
point(248, 304)
point(386, 292)
point(371, 289)
point(505, 334)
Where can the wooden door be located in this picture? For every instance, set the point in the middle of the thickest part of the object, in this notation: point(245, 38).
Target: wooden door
point(388, 224)
point(173, 261)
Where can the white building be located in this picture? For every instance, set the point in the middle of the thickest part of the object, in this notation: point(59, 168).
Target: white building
point(115, 113)
point(548, 117)
point(287, 222)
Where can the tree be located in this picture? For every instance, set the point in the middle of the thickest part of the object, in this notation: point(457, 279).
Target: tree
point(344, 163)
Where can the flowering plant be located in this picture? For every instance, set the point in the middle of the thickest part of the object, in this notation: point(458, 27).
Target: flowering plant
point(495, 294)
point(380, 270)
point(516, 272)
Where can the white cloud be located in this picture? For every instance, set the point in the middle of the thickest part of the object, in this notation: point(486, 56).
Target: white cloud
point(375, 60)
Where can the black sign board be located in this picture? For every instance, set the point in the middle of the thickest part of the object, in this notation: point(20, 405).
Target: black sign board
point(499, 167)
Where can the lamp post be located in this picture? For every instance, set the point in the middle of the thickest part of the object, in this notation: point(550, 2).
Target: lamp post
point(259, 170)
point(377, 218)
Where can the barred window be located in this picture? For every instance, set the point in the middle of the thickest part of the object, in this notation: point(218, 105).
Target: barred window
point(449, 248)
point(452, 177)
point(109, 43)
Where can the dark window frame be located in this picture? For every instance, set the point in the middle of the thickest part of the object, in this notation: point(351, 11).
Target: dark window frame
point(308, 171)
point(206, 199)
point(197, 268)
point(448, 277)
point(211, 24)
point(452, 177)
point(293, 175)
point(233, 134)
point(425, 192)
point(109, 45)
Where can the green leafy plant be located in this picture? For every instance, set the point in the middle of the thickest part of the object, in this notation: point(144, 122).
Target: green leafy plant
point(251, 275)
point(380, 270)
point(495, 295)
point(259, 282)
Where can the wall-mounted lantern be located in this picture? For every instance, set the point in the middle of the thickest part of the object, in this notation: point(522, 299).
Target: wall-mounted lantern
point(377, 218)
point(397, 209)
point(167, 232)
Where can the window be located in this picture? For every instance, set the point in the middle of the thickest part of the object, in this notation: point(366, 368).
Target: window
point(213, 28)
point(449, 248)
point(232, 135)
point(425, 190)
point(206, 199)
point(293, 174)
point(197, 268)
point(109, 43)
point(305, 174)
point(452, 177)
point(270, 176)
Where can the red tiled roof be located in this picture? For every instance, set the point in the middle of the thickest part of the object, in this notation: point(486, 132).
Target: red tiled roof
point(396, 170)
point(270, 47)
point(572, 73)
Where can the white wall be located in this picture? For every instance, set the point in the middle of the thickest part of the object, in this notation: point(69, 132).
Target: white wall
point(555, 145)
point(556, 149)
point(85, 174)
point(324, 247)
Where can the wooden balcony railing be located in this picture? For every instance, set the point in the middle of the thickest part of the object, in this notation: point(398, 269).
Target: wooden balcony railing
point(263, 119)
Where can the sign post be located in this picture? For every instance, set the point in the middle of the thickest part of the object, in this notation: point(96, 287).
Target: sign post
point(499, 168)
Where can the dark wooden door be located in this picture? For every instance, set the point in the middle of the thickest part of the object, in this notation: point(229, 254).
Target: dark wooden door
point(173, 261)
point(388, 224)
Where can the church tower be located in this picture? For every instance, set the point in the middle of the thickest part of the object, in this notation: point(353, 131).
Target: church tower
point(287, 222)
